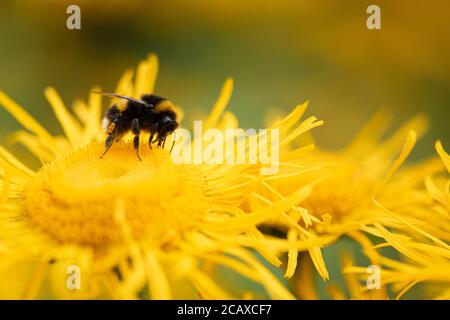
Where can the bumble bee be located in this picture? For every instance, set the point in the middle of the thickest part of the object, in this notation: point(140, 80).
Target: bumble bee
point(151, 113)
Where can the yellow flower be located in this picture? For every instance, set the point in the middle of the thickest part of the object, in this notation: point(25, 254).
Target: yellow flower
point(342, 204)
point(131, 229)
point(425, 254)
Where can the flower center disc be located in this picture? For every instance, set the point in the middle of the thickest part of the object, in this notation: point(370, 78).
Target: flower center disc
point(75, 199)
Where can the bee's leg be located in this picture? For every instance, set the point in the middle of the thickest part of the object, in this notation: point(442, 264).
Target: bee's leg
point(111, 131)
point(108, 143)
point(136, 146)
point(150, 139)
point(136, 131)
point(161, 141)
point(153, 132)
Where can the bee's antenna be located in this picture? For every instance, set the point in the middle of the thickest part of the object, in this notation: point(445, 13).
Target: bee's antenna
point(114, 95)
point(173, 143)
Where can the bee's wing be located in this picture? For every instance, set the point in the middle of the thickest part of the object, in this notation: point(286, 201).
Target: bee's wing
point(114, 95)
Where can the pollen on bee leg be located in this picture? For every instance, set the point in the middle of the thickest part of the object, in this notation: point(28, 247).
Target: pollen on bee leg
point(105, 123)
point(110, 128)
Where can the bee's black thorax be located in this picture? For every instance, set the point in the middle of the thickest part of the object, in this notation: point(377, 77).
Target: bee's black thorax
point(149, 117)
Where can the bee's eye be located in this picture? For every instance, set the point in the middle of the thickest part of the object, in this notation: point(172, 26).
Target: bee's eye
point(150, 105)
point(166, 120)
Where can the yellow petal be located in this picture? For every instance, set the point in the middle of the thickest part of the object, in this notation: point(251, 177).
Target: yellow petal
point(319, 263)
point(220, 105)
point(25, 119)
point(7, 159)
point(159, 286)
point(146, 76)
point(292, 255)
point(443, 154)
point(70, 126)
point(207, 287)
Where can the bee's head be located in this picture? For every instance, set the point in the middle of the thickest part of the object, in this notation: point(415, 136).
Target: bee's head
point(168, 124)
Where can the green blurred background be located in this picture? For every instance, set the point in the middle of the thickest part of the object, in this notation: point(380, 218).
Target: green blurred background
point(280, 53)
